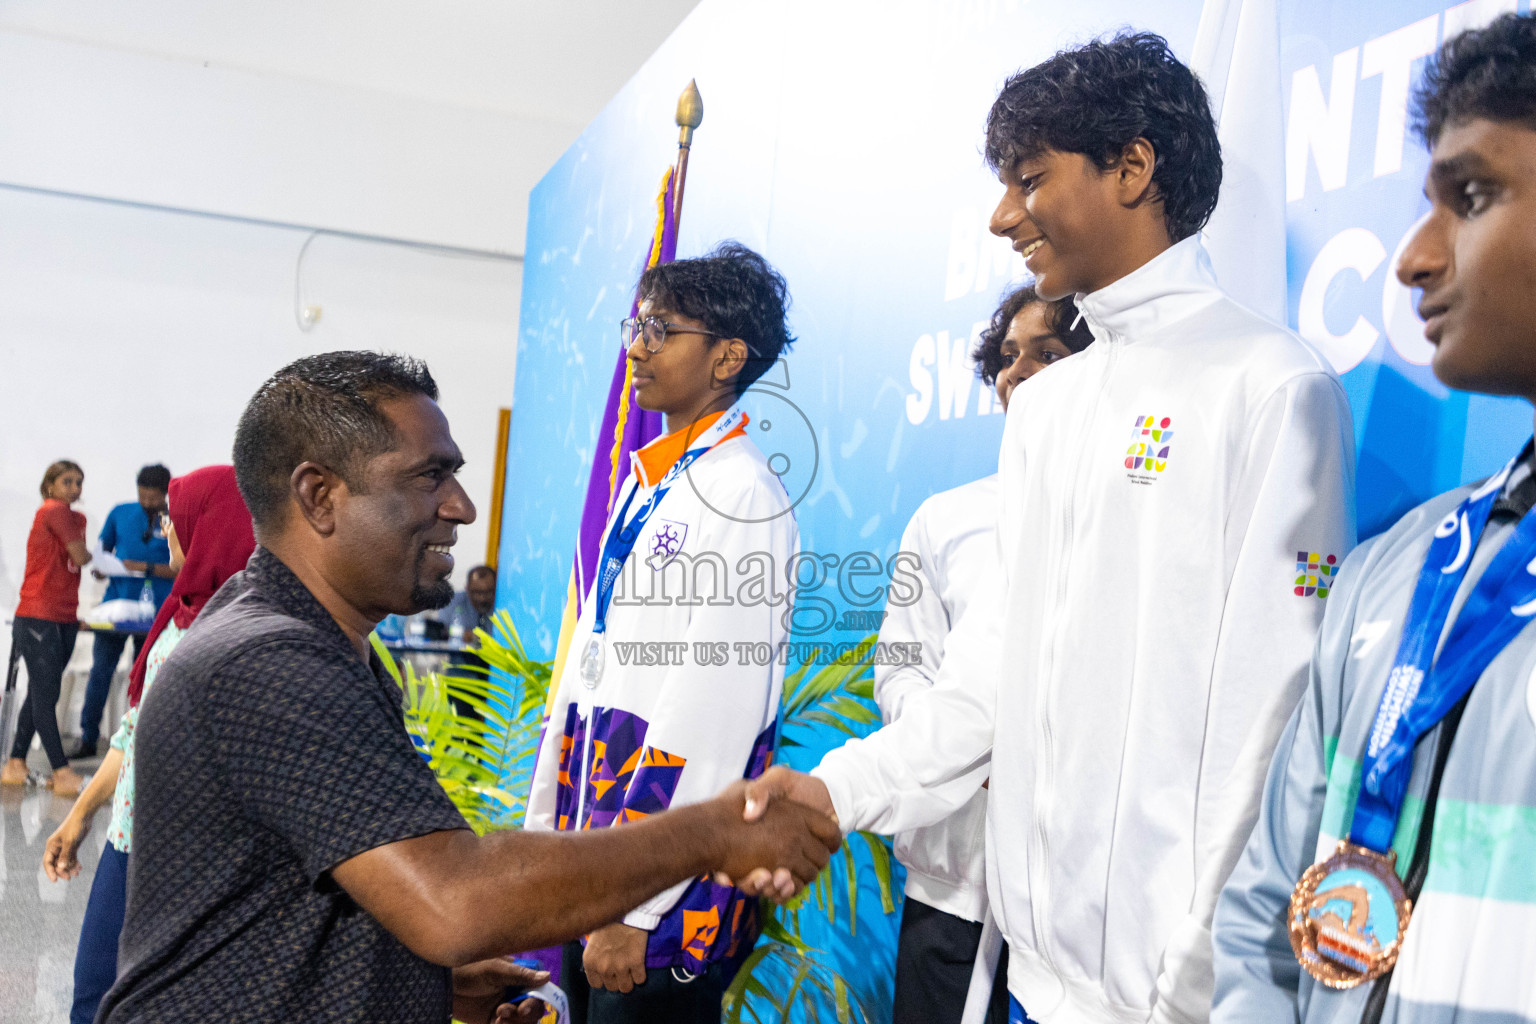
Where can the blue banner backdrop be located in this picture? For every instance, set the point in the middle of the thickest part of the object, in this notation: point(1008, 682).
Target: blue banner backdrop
point(1354, 180)
point(843, 141)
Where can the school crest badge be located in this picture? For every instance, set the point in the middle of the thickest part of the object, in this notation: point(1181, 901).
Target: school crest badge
point(666, 542)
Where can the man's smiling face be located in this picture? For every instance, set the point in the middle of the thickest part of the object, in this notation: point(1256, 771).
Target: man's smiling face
point(396, 531)
point(1474, 257)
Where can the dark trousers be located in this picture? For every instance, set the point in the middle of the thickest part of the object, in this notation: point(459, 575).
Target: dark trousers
point(105, 655)
point(45, 647)
point(96, 959)
point(934, 958)
point(661, 999)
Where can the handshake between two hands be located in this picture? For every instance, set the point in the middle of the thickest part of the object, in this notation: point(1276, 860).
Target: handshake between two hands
point(790, 824)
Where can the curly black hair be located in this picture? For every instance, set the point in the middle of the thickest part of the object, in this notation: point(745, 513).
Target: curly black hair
point(733, 292)
point(1488, 72)
point(1098, 99)
point(1060, 316)
point(324, 409)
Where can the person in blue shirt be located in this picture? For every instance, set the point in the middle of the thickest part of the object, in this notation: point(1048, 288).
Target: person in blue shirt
point(471, 608)
point(133, 533)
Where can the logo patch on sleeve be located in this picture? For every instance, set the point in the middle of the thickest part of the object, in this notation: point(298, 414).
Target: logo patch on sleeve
point(666, 542)
point(1151, 438)
point(1314, 573)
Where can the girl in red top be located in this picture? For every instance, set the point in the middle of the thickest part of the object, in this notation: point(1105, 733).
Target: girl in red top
point(46, 622)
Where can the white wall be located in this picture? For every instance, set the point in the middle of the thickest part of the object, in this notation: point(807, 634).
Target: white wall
point(131, 335)
point(403, 118)
point(162, 163)
point(127, 125)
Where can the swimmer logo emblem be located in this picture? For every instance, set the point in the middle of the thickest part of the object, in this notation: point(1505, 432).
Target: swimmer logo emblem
point(1348, 915)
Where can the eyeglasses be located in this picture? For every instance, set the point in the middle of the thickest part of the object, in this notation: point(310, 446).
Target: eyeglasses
point(655, 330)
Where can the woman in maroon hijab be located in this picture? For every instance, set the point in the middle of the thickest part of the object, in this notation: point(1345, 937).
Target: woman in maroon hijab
point(210, 540)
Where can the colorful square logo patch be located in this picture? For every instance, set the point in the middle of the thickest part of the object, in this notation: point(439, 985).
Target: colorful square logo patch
point(1314, 573)
point(1150, 437)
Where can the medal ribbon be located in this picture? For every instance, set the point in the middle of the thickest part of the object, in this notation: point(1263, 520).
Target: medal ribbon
point(621, 538)
point(1417, 695)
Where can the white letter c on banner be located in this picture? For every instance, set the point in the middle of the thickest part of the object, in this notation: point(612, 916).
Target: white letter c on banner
point(1354, 249)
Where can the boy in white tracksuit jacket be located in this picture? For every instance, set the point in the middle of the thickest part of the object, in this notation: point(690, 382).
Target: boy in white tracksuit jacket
point(1174, 500)
point(953, 536)
point(675, 713)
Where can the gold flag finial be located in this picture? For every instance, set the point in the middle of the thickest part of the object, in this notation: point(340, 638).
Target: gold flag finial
point(690, 112)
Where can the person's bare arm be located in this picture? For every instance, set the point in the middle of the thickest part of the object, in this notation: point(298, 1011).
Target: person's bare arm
point(78, 552)
point(59, 860)
point(454, 898)
point(156, 569)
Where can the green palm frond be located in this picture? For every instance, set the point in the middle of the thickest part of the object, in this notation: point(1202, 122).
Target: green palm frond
point(483, 763)
point(779, 980)
point(838, 695)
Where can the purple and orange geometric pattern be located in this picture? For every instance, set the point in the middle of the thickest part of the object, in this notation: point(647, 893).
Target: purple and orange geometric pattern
point(653, 784)
point(762, 751)
point(618, 739)
point(1314, 573)
point(1149, 444)
point(573, 739)
point(710, 923)
point(629, 781)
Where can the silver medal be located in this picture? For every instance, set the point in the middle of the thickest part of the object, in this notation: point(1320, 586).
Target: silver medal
point(592, 661)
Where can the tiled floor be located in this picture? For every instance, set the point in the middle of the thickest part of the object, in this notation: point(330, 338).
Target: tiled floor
point(39, 919)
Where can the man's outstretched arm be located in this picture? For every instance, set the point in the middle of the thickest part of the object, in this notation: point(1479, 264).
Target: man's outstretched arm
point(454, 898)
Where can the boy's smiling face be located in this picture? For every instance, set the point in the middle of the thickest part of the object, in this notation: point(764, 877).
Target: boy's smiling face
point(1474, 257)
point(1080, 228)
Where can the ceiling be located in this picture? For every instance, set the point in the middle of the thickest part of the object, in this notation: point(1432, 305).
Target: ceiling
point(557, 60)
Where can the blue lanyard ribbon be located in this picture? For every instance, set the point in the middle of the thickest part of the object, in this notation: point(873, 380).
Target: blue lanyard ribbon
point(1421, 689)
point(622, 536)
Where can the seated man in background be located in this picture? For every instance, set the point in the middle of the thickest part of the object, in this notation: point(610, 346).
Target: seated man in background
point(133, 533)
point(627, 739)
point(294, 857)
point(953, 534)
point(1406, 781)
point(472, 607)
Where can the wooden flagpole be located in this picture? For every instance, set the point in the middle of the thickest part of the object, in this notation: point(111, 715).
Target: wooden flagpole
point(690, 114)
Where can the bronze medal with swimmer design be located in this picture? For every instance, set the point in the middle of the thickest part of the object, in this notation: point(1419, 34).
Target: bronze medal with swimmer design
point(1348, 916)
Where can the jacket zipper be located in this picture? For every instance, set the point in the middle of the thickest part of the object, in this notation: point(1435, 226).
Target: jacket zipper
point(1046, 778)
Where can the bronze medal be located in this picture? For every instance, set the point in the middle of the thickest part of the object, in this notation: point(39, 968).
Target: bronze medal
point(1348, 916)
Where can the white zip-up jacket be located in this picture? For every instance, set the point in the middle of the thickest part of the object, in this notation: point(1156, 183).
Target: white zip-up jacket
point(667, 726)
point(1164, 494)
point(953, 535)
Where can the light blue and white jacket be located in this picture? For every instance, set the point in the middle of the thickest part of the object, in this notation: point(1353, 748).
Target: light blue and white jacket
point(1469, 954)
